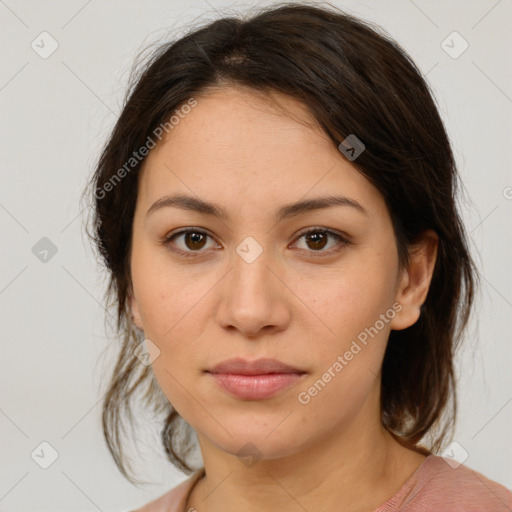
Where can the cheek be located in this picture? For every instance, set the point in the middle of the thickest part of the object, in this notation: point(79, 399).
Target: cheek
point(346, 300)
point(167, 295)
point(347, 323)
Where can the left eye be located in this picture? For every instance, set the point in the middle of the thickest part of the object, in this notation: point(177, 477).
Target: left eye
point(193, 240)
point(317, 239)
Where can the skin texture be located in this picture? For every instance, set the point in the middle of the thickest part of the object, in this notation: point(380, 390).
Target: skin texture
point(238, 151)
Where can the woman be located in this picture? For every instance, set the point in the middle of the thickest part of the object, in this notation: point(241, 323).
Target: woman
point(276, 209)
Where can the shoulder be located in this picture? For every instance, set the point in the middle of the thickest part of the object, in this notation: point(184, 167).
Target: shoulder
point(440, 484)
point(175, 499)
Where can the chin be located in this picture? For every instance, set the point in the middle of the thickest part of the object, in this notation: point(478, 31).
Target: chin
point(256, 443)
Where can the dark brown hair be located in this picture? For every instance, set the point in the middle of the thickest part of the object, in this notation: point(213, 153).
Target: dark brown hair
point(355, 80)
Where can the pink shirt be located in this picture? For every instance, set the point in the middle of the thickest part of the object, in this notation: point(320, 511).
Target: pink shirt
point(434, 487)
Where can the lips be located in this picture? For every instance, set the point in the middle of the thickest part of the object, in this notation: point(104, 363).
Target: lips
point(255, 380)
point(263, 366)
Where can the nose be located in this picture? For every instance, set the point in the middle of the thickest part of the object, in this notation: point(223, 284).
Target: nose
point(254, 299)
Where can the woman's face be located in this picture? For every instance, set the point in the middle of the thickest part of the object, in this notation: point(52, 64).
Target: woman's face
point(252, 284)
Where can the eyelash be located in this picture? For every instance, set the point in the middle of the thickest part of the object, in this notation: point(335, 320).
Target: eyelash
point(167, 241)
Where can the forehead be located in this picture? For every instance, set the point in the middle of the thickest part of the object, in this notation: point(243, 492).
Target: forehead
point(238, 143)
point(245, 121)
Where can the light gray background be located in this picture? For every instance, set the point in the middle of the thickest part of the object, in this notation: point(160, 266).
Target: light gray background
point(56, 113)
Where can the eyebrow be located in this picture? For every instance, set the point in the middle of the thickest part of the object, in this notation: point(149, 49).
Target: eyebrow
point(198, 205)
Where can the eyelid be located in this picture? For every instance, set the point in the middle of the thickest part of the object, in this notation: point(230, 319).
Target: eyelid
point(167, 239)
point(343, 240)
point(310, 229)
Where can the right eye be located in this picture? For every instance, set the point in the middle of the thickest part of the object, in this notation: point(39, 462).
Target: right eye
point(191, 240)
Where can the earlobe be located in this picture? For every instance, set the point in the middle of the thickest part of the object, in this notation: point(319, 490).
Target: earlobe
point(135, 314)
point(416, 279)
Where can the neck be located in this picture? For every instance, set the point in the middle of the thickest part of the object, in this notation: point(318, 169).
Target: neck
point(355, 471)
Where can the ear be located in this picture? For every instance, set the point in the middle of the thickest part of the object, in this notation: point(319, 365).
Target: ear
point(415, 280)
point(134, 309)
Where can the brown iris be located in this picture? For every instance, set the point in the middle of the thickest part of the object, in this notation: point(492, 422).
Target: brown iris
point(197, 240)
point(318, 238)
